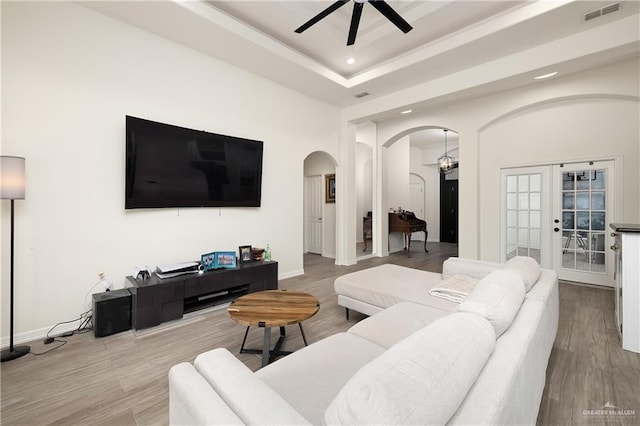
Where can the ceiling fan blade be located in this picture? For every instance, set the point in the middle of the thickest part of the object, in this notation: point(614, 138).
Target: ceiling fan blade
point(384, 8)
point(355, 22)
point(335, 6)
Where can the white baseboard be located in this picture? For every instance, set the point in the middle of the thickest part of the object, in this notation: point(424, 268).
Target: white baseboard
point(33, 335)
point(291, 274)
point(30, 336)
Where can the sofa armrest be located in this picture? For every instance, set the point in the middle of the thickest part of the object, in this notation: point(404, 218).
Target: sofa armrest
point(192, 401)
point(472, 268)
point(250, 398)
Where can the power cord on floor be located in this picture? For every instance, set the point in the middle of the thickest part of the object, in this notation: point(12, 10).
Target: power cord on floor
point(62, 343)
point(85, 317)
point(85, 326)
point(86, 321)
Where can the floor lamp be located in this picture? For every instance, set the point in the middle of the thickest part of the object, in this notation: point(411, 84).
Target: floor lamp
point(12, 188)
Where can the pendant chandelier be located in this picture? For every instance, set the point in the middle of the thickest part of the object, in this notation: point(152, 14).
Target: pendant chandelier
point(446, 163)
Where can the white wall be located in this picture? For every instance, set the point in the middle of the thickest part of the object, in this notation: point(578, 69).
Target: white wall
point(573, 129)
point(397, 184)
point(364, 175)
point(587, 114)
point(69, 77)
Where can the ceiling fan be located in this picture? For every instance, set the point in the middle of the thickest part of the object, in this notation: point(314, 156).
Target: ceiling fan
point(380, 5)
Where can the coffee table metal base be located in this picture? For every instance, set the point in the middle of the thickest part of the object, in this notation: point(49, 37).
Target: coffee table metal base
point(268, 354)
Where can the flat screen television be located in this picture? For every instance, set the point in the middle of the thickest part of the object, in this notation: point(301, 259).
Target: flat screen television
point(171, 166)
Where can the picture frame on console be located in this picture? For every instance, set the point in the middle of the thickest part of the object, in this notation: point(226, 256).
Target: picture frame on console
point(245, 254)
point(208, 261)
point(225, 259)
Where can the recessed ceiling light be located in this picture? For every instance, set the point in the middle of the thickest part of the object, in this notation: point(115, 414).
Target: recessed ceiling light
point(351, 61)
point(541, 77)
point(407, 111)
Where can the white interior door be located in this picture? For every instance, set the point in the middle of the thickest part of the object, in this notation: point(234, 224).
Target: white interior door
point(526, 211)
point(313, 214)
point(583, 208)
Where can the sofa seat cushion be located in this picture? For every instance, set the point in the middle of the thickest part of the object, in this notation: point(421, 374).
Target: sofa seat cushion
point(310, 378)
point(388, 327)
point(497, 297)
point(526, 267)
point(388, 284)
point(421, 380)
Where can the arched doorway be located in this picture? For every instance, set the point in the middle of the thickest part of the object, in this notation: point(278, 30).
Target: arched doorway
point(411, 164)
point(319, 211)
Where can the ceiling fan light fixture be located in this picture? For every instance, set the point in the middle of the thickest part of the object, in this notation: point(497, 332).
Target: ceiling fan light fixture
point(380, 5)
point(446, 163)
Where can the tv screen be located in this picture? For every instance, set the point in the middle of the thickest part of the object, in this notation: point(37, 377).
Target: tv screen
point(171, 166)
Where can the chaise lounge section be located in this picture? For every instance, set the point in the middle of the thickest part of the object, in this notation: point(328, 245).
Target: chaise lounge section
point(420, 361)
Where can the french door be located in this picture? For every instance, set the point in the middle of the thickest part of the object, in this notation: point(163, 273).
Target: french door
point(583, 208)
point(558, 214)
point(526, 213)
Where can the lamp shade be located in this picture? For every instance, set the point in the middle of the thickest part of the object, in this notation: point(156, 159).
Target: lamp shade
point(12, 181)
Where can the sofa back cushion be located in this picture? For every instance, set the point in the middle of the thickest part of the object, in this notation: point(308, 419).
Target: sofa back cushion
point(497, 297)
point(526, 267)
point(422, 379)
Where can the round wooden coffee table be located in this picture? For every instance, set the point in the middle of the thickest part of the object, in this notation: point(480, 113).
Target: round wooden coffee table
point(272, 308)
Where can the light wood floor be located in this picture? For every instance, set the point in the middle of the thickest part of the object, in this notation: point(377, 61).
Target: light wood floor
point(122, 379)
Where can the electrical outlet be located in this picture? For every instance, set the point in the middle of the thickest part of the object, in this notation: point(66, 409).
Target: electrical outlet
point(104, 284)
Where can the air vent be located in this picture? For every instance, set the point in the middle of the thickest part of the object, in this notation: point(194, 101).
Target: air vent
point(592, 15)
point(610, 9)
point(362, 95)
point(614, 7)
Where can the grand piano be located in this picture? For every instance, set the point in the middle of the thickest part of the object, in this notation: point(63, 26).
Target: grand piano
point(407, 223)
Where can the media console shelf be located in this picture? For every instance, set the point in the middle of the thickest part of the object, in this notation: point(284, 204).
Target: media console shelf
point(156, 300)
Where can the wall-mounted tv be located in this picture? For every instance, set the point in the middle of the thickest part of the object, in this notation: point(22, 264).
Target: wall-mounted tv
point(171, 166)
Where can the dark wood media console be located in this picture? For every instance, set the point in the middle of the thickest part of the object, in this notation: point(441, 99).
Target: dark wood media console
point(158, 300)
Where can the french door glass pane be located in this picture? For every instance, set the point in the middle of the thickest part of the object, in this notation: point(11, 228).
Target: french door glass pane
point(534, 201)
point(583, 220)
point(523, 212)
point(536, 183)
point(534, 219)
point(597, 201)
point(582, 201)
point(568, 200)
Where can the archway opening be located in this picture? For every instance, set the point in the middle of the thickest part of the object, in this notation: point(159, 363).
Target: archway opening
point(413, 182)
point(319, 210)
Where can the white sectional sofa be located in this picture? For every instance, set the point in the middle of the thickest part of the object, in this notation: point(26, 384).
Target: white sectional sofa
point(417, 359)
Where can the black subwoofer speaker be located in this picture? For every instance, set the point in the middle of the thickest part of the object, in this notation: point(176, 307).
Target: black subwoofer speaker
point(111, 312)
